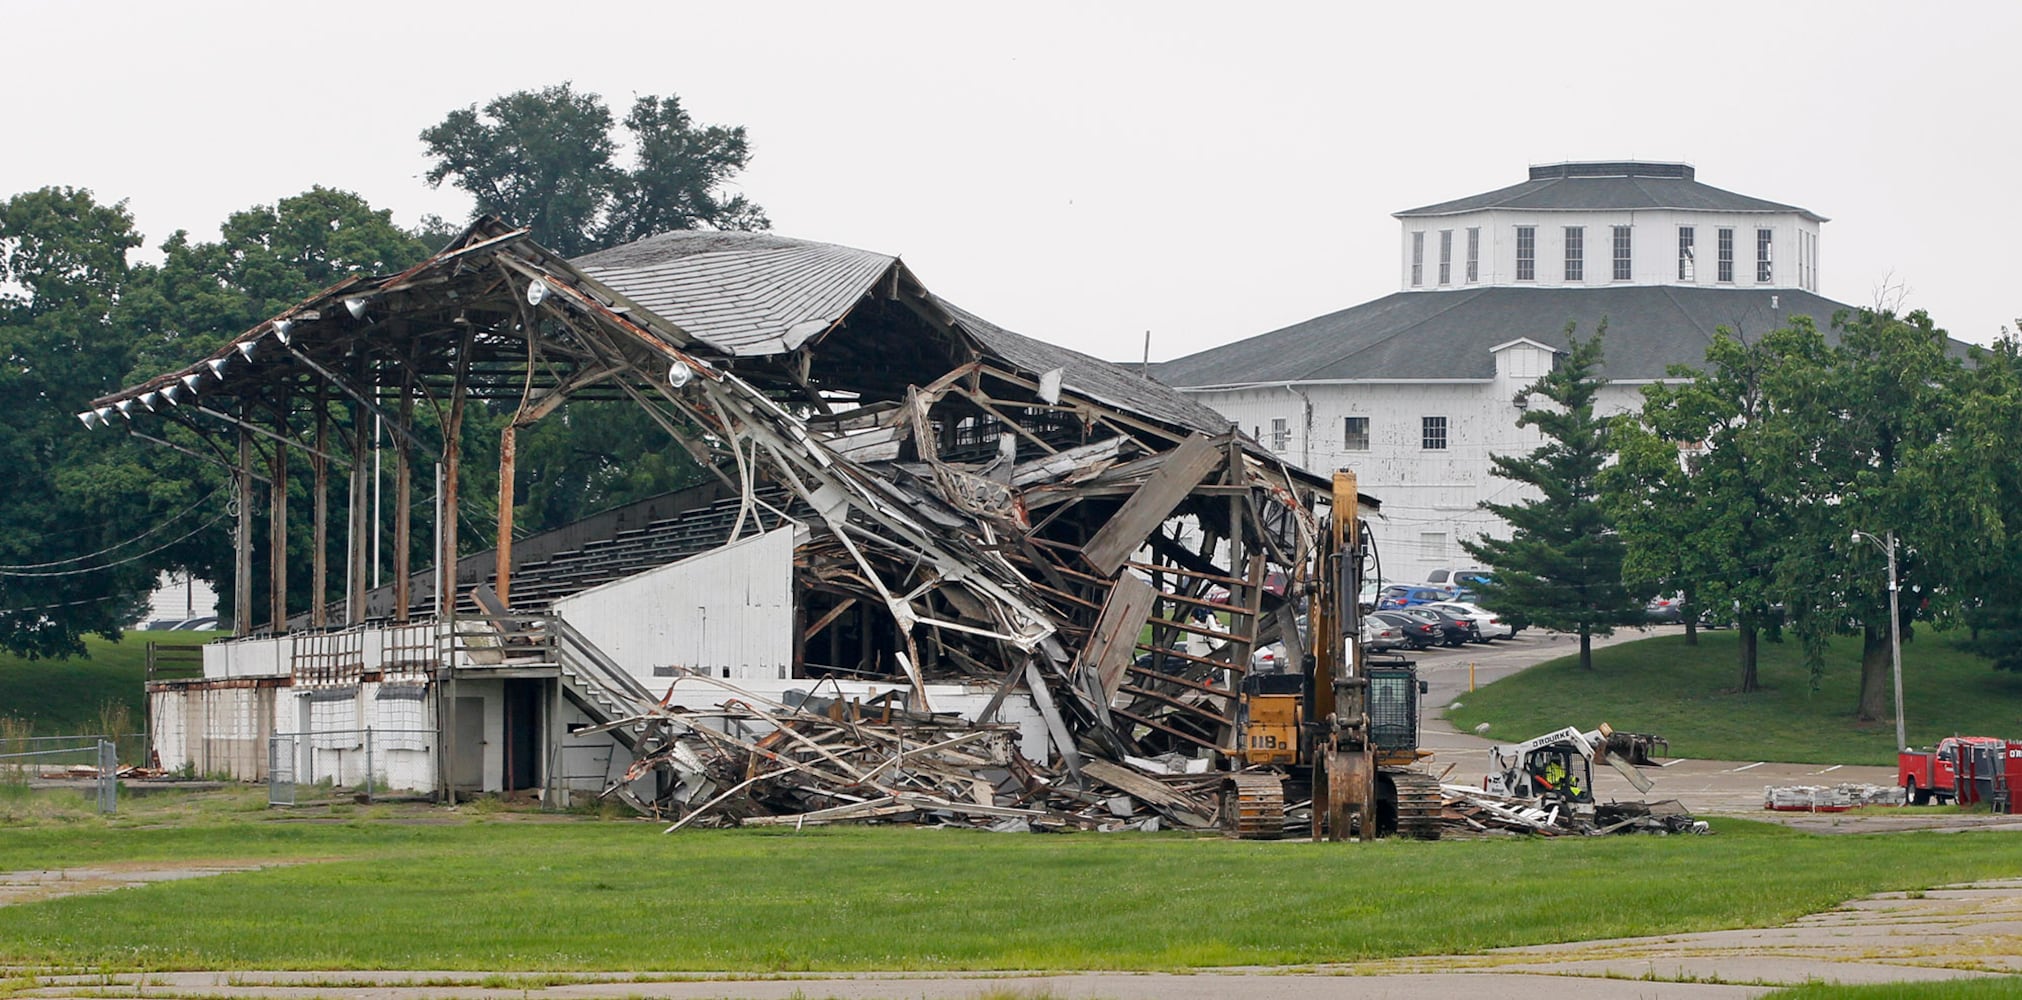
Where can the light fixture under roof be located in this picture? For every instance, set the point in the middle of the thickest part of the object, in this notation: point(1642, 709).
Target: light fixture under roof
point(537, 290)
point(246, 348)
point(218, 368)
point(191, 380)
point(170, 391)
point(125, 408)
point(147, 400)
point(282, 329)
point(89, 418)
point(105, 415)
point(679, 374)
point(356, 306)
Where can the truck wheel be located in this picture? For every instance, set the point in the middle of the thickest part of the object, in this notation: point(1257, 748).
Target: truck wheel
point(1916, 796)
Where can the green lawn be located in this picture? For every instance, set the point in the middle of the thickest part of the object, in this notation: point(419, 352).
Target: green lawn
point(411, 888)
point(1987, 988)
point(63, 697)
point(1688, 695)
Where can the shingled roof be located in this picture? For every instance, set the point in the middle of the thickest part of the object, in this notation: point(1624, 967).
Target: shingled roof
point(1609, 186)
point(1445, 335)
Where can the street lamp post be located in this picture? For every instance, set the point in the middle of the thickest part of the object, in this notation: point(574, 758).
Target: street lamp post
point(1888, 544)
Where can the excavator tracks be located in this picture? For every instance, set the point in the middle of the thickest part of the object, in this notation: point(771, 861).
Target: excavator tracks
point(1419, 803)
point(1253, 806)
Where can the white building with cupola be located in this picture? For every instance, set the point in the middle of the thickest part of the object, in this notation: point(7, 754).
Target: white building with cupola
point(1415, 390)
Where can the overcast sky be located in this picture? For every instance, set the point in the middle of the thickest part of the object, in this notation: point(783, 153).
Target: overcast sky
point(1085, 172)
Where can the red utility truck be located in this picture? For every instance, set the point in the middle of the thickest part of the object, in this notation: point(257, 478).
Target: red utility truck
point(1924, 775)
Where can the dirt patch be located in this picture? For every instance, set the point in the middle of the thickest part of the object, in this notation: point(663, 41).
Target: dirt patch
point(51, 883)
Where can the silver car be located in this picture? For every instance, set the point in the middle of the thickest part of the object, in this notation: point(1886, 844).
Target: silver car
point(1485, 621)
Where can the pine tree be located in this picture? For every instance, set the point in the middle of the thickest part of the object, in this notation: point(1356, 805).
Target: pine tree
point(1561, 567)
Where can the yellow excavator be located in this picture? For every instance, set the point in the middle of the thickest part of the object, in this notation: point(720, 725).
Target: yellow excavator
point(1335, 729)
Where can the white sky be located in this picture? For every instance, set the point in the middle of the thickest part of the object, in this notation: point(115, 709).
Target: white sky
point(1085, 172)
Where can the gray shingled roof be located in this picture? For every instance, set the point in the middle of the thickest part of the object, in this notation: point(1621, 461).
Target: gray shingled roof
point(744, 294)
point(1625, 186)
point(751, 294)
point(1103, 381)
point(1430, 335)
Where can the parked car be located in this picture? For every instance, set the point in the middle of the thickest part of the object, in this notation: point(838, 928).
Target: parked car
point(1459, 630)
point(1378, 636)
point(1417, 633)
point(1485, 621)
point(1453, 580)
point(1665, 609)
point(1406, 595)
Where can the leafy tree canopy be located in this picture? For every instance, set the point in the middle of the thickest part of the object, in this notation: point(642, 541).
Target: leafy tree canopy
point(547, 159)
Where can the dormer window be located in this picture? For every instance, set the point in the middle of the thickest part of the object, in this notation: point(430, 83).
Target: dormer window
point(1417, 259)
point(1576, 253)
point(1764, 271)
point(1622, 269)
point(1526, 253)
point(1726, 256)
point(1446, 256)
point(1473, 254)
point(1686, 270)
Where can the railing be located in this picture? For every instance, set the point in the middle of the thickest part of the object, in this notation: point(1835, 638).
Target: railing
point(327, 658)
point(503, 639)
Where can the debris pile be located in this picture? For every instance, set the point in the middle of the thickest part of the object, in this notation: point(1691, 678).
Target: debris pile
point(756, 762)
point(1828, 798)
point(1470, 810)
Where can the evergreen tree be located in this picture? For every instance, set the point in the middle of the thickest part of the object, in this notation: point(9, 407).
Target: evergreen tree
point(1561, 567)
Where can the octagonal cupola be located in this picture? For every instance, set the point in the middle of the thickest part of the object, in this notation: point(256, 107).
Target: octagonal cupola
point(1609, 223)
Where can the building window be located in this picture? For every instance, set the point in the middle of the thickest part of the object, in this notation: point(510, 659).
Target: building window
point(1686, 271)
point(1473, 254)
point(1433, 433)
point(1281, 435)
point(1432, 546)
point(1446, 256)
point(1417, 259)
point(1727, 255)
point(1526, 253)
point(1355, 433)
point(1763, 272)
point(1576, 253)
point(1621, 253)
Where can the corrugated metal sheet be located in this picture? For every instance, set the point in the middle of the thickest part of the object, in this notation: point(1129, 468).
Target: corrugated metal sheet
point(728, 611)
point(745, 294)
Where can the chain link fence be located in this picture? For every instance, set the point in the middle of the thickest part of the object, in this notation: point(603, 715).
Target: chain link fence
point(336, 758)
point(27, 756)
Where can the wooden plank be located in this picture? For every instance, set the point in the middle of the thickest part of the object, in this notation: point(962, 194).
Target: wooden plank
point(1147, 789)
point(1113, 644)
point(1183, 469)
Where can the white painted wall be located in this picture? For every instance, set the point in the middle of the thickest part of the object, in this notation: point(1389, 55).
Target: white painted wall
point(728, 611)
point(1654, 248)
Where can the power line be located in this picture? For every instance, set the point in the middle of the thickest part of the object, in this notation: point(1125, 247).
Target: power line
point(111, 565)
point(6, 570)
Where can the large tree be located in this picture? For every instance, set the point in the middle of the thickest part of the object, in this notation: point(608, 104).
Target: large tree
point(1561, 567)
point(75, 548)
point(1851, 427)
point(1692, 492)
point(547, 159)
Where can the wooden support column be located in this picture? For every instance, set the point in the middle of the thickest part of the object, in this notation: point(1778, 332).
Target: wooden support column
point(319, 599)
point(508, 443)
point(361, 525)
point(242, 556)
point(277, 538)
point(403, 515)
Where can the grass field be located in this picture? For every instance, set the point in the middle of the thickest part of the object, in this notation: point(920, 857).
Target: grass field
point(410, 888)
point(1688, 695)
point(63, 697)
point(1948, 989)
